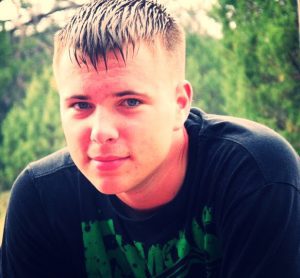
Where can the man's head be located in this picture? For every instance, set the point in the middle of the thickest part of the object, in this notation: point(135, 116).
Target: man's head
point(101, 26)
point(119, 67)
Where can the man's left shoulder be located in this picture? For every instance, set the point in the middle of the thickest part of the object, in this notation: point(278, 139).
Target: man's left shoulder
point(273, 154)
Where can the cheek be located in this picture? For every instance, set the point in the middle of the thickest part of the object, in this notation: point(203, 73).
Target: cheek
point(76, 136)
point(149, 141)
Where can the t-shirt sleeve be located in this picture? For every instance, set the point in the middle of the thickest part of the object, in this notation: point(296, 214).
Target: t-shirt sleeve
point(29, 247)
point(261, 234)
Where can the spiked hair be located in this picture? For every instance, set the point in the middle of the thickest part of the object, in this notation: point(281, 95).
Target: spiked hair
point(112, 25)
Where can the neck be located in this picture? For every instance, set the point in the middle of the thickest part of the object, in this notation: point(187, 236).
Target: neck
point(164, 184)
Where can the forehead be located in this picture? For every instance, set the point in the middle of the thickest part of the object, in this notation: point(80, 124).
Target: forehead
point(141, 53)
point(145, 69)
point(142, 58)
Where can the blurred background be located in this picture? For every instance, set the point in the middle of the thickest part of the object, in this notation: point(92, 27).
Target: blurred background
point(242, 59)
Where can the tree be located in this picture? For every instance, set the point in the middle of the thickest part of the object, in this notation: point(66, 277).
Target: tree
point(203, 71)
point(8, 72)
point(25, 48)
point(31, 129)
point(260, 63)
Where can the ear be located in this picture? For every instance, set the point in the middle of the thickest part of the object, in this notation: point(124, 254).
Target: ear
point(184, 96)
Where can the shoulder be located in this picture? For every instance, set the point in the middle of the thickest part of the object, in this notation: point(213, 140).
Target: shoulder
point(272, 154)
point(52, 173)
point(50, 164)
point(49, 184)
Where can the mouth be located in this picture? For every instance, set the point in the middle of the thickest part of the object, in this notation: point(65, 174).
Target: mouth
point(109, 163)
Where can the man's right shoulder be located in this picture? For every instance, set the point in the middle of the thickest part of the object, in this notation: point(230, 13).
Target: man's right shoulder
point(53, 173)
point(51, 163)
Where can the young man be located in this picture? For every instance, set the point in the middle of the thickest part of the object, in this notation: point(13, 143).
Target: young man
point(148, 187)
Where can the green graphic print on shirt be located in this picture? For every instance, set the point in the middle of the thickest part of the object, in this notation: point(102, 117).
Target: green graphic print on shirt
point(106, 254)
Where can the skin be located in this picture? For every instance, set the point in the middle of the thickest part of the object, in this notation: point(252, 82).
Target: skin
point(124, 126)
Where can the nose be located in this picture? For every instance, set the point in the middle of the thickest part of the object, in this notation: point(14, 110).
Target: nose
point(103, 129)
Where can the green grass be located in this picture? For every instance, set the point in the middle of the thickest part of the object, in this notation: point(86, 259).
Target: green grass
point(4, 196)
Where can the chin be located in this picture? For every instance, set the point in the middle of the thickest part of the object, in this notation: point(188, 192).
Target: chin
point(108, 189)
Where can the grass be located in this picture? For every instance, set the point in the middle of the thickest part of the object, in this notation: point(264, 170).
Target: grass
point(4, 196)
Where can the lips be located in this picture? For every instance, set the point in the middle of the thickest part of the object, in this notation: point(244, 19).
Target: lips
point(108, 163)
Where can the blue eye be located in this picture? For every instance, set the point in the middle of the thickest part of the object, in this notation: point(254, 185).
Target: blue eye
point(82, 105)
point(131, 102)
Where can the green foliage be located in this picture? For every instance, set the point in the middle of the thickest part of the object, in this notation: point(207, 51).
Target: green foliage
point(203, 71)
point(21, 57)
point(31, 129)
point(5, 57)
point(8, 71)
point(4, 197)
point(260, 63)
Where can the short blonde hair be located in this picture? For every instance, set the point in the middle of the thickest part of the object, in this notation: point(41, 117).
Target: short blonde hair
point(112, 25)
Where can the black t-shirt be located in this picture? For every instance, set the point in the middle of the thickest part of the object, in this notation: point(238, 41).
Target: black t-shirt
point(236, 215)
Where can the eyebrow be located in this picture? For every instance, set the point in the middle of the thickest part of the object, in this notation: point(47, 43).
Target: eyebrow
point(128, 93)
point(117, 94)
point(81, 97)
